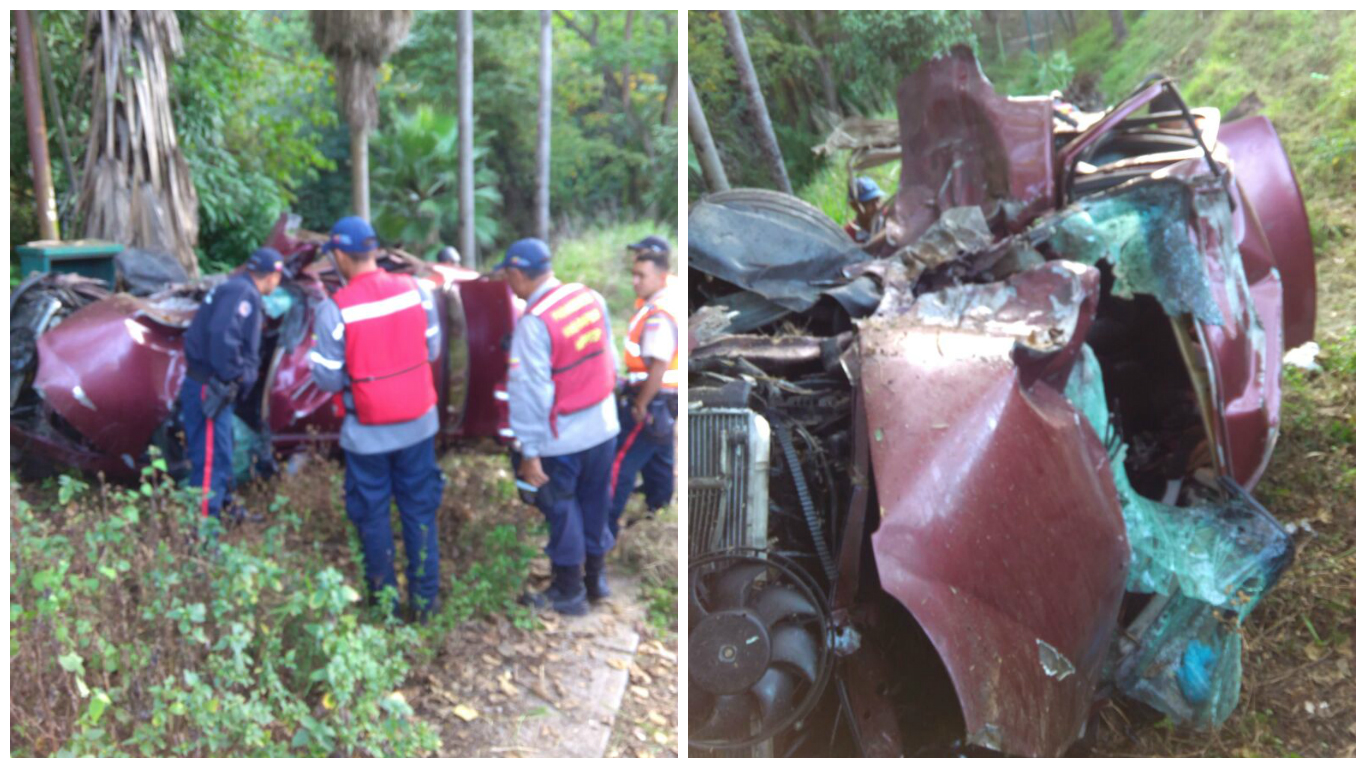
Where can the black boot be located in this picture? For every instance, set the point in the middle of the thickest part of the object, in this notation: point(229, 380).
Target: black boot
point(566, 594)
point(594, 579)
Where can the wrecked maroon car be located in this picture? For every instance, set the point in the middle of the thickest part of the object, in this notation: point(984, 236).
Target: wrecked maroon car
point(94, 375)
point(949, 496)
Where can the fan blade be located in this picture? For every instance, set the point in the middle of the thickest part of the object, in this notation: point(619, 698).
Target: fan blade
point(795, 647)
point(732, 589)
point(774, 693)
point(730, 718)
point(700, 704)
point(695, 610)
point(773, 604)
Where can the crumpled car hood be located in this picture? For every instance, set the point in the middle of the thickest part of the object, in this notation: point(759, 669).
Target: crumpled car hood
point(980, 462)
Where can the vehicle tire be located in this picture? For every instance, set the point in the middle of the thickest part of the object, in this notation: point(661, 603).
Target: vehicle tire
point(766, 201)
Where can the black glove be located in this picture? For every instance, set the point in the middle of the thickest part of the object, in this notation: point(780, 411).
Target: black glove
point(220, 395)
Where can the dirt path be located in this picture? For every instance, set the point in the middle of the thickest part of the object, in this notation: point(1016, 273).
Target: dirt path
point(600, 685)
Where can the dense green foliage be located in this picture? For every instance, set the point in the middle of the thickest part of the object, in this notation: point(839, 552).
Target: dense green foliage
point(256, 116)
point(415, 176)
point(865, 53)
point(129, 636)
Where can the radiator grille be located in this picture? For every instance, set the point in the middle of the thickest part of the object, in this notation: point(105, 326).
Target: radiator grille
point(728, 461)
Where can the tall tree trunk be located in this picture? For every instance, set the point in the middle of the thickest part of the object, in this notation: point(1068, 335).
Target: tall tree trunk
point(54, 104)
point(36, 126)
point(1117, 24)
point(360, 171)
point(543, 136)
point(465, 52)
point(670, 110)
point(798, 21)
point(768, 142)
point(713, 173)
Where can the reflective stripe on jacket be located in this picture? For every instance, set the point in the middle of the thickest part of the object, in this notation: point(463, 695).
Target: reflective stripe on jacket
point(386, 347)
point(660, 305)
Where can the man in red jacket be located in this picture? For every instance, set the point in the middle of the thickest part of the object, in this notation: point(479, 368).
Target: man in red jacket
point(375, 340)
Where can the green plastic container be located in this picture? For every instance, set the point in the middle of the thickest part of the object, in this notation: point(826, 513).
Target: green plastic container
point(92, 258)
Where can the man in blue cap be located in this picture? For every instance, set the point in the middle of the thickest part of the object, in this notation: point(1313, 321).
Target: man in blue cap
point(865, 197)
point(374, 341)
point(222, 352)
point(561, 380)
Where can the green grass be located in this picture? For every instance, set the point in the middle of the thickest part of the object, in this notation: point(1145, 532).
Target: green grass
point(828, 188)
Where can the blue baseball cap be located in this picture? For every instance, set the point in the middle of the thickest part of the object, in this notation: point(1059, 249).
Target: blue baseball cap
point(352, 235)
point(651, 243)
point(265, 260)
point(529, 255)
point(865, 189)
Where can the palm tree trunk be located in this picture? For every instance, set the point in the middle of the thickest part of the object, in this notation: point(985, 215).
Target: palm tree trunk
point(465, 52)
point(749, 82)
point(713, 173)
point(360, 171)
point(543, 136)
point(1117, 24)
point(37, 128)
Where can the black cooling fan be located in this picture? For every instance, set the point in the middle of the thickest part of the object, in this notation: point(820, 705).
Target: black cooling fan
point(757, 650)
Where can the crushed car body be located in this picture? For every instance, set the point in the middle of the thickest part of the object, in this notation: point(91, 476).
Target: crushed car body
point(1010, 450)
point(95, 375)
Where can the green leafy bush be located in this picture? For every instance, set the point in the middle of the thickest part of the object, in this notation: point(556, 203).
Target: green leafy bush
point(130, 636)
point(416, 183)
point(493, 583)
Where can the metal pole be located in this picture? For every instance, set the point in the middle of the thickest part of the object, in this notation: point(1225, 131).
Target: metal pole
point(465, 48)
point(713, 173)
point(543, 136)
point(37, 128)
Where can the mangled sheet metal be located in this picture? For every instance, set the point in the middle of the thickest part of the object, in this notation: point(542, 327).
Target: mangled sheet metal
point(97, 375)
point(989, 419)
point(1174, 239)
point(983, 470)
point(963, 144)
point(785, 251)
point(1208, 563)
point(1069, 388)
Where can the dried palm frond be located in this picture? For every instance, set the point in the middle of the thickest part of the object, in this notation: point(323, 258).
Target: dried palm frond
point(357, 42)
point(135, 184)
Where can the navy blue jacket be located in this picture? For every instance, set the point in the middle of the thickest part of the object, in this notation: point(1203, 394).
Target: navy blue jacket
point(224, 338)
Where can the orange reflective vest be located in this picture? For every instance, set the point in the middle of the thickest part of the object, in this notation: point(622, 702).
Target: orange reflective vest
point(660, 305)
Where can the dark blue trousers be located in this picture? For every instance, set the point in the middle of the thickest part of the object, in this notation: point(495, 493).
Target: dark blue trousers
point(410, 477)
point(639, 454)
point(207, 451)
point(575, 503)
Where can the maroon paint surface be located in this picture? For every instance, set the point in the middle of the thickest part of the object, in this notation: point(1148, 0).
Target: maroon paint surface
point(1268, 184)
point(963, 144)
point(130, 369)
point(1001, 526)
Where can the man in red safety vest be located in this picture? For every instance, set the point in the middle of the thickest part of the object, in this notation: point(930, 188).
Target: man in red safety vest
point(650, 405)
point(374, 341)
point(561, 377)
